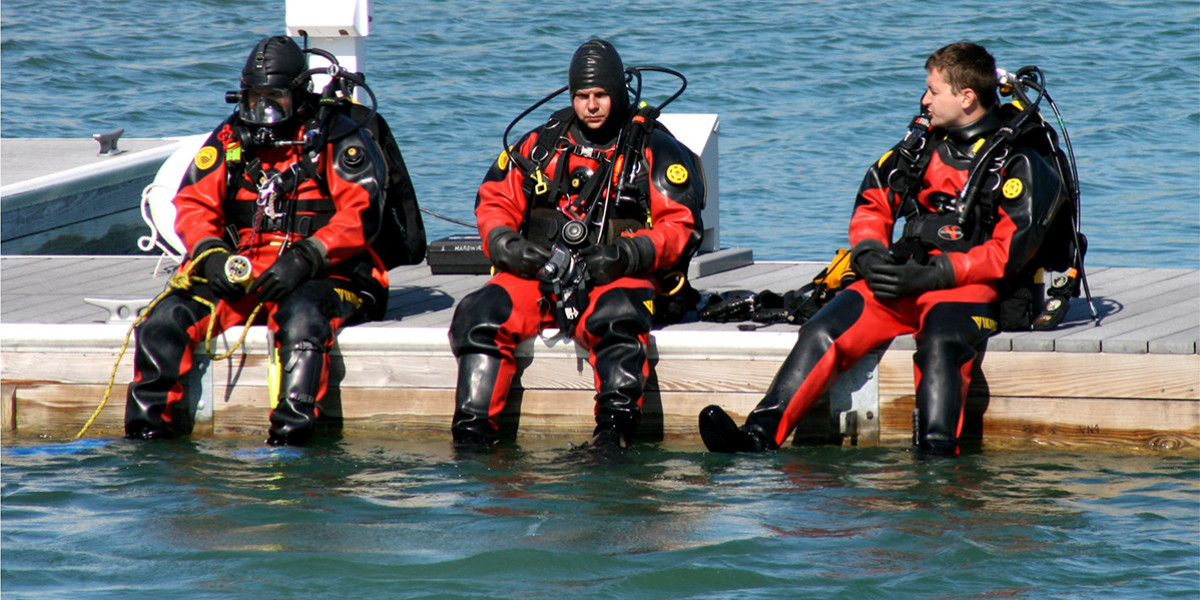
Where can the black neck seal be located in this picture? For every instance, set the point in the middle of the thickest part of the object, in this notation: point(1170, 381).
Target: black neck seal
point(983, 126)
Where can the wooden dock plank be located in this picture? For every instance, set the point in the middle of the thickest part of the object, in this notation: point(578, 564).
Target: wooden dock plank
point(777, 277)
point(1064, 375)
point(1070, 423)
point(1132, 332)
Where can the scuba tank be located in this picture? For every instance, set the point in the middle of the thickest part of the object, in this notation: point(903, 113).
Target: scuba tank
point(1063, 245)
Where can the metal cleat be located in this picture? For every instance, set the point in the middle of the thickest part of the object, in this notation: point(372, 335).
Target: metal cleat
point(120, 311)
point(108, 142)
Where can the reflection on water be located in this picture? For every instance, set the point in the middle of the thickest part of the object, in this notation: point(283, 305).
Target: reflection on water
point(398, 517)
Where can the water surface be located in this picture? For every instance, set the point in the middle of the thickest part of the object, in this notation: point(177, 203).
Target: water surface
point(400, 516)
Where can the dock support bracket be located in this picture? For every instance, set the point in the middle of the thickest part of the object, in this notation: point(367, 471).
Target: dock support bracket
point(854, 402)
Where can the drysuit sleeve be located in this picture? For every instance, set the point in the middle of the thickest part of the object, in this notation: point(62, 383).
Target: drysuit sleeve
point(199, 214)
point(500, 201)
point(874, 211)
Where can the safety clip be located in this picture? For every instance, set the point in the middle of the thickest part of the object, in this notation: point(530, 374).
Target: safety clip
point(540, 186)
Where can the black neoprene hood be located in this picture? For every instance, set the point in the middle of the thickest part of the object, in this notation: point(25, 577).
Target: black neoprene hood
point(275, 62)
point(597, 64)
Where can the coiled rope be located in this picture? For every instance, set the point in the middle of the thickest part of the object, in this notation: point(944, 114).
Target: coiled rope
point(183, 279)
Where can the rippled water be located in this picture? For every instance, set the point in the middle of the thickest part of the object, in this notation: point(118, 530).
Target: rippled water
point(403, 517)
point(809, 93)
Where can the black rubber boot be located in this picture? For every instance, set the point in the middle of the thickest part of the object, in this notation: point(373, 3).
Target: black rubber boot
point(804, 363)
point(721, 434)
point(473, 425)
point(609, 436)
point(294, 419)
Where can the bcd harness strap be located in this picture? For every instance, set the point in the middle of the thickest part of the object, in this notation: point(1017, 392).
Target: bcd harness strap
point(979, 196)
point(542, 191)
point(915, 152)
point(266, 214)
point(615, 177)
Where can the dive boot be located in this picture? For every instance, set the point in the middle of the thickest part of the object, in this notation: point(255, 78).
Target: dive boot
point(293, 421)
point(294, 418)
point(721, 434)
point(148, 433)
point(609, 436)
point(473, 425)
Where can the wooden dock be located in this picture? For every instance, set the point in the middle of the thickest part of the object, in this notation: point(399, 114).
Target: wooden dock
point(1132, 381)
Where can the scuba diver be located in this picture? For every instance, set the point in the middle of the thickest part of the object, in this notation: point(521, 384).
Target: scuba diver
point(579, 218)
point(278, 210)
point(967, 232)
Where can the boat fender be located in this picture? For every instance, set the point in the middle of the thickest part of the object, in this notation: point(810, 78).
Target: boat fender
point(158, 200)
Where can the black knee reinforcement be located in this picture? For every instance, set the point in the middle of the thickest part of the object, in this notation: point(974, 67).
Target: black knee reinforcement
point(477, 320)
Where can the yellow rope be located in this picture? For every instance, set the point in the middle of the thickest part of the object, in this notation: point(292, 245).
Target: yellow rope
point(181, 280)
point(113, 376)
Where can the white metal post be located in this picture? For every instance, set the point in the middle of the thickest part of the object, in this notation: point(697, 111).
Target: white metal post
point(336, 26)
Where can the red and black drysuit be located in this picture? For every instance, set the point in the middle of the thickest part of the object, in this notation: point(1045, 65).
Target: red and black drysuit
point(328, 209)
point(615, 326)
point(949, 324)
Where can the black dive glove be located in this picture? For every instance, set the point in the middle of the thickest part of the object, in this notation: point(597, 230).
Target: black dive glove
point(867, 256)
point(213, 268)
point(911, 278)
point(515, 254)
point(299, 264)
point(626, 256)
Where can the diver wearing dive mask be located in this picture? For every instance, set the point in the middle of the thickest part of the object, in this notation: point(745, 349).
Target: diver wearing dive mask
point(294, 215)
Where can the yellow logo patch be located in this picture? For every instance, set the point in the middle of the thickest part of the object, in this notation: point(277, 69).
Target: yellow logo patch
point(349, 296)
point(883, 158)
point(1013, 188)
point(677, 174)
point(206, 158)
point(649, 305)
point(502, 160)
point(985, 324)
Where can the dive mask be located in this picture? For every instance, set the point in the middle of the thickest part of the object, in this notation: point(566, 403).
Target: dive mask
point(265, 106)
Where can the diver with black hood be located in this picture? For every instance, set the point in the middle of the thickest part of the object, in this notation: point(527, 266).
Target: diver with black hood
point(277, 210)
point(577, 217)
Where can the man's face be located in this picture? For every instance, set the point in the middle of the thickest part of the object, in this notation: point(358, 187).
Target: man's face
point(592, 106)
point(946, 107)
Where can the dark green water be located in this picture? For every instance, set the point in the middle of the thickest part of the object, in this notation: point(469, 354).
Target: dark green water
point(390, 516)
